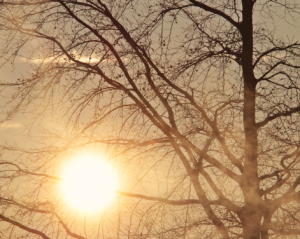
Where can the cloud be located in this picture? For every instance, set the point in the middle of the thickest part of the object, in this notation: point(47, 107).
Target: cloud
point(85, 59)
point(62, 59)
point(10, 125)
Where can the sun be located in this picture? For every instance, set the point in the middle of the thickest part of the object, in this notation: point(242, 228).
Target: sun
point(88, 183)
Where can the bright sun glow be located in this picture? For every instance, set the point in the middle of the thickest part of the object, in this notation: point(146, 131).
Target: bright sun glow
point(88, 183)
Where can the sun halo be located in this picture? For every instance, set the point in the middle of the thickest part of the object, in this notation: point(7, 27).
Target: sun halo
point(88, 183)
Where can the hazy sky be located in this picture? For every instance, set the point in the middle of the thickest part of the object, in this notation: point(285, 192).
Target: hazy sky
point(18, 131)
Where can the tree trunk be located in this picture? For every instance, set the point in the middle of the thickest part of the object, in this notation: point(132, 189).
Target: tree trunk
point(251, 215)
point(251, 221)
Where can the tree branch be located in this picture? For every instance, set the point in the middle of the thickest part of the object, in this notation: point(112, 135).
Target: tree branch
point(28, 229)
point(273, 50)
point(217, 12)
point(163, 200)
point(275, 116)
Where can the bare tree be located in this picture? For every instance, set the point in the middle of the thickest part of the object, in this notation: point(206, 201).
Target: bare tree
point(199, 100)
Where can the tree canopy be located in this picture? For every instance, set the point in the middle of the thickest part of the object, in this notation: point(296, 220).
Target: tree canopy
point(195, 101)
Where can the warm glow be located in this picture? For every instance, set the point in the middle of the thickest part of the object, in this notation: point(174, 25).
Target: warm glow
point(88, 183)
